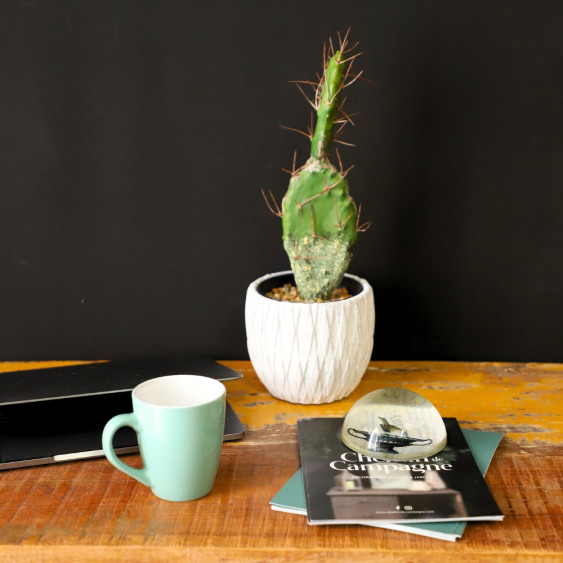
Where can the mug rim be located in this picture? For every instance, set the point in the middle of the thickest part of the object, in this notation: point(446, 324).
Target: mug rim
point(215, 388)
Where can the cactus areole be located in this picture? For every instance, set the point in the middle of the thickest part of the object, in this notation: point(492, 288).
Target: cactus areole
point(319, 217)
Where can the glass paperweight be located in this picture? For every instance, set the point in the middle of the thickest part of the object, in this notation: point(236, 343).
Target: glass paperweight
point(394, 424)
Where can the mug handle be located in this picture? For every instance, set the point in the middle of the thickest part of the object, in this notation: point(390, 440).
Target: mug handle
point(112, 426)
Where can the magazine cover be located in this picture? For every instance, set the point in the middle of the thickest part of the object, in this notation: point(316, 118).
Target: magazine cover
point(342, 486)
point(291, 497)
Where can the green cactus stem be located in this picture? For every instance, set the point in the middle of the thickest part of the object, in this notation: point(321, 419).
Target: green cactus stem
point(319, 216)
point(328, 107)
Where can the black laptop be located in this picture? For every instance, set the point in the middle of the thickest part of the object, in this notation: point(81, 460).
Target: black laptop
point(56, 415)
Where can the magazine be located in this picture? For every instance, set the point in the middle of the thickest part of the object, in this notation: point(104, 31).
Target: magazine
point(342, 486)
point(291, 497)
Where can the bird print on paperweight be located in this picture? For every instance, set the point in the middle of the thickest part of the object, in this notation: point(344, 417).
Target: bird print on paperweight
point(386, 426)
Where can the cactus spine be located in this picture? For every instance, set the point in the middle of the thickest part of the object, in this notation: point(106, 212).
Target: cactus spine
point(319, 217)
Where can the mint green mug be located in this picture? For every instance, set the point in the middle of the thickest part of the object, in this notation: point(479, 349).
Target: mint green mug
point(179, 420)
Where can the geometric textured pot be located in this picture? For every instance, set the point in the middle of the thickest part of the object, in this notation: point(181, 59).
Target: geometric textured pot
point(309, 353)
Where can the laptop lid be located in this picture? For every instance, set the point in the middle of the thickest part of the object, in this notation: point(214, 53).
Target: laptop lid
point(54, 415)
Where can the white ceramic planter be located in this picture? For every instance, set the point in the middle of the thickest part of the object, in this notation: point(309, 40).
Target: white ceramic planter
point(309, 352)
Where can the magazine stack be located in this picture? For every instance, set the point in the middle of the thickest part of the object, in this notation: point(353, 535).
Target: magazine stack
point(435, 496)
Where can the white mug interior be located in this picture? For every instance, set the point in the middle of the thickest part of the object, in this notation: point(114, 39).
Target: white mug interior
point(179, 391)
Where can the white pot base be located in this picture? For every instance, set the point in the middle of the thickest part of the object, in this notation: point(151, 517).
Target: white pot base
point(310, 353)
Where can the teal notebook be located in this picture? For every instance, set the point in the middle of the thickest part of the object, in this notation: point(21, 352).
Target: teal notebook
point(291, 497)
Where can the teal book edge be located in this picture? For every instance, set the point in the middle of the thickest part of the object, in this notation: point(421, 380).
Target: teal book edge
point(291, 497)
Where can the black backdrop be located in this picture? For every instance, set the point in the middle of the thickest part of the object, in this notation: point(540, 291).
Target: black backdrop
point(135, 137)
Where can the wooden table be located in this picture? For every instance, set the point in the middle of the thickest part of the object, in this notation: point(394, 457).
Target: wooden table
point(89, 511)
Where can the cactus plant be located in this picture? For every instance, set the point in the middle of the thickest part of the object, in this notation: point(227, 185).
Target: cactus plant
point(317, 351)
point(319, 217)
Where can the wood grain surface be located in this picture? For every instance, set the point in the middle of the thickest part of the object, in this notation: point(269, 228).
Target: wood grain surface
point(89, 511)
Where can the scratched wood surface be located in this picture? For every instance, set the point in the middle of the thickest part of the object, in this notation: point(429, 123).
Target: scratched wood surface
point(89, 511)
